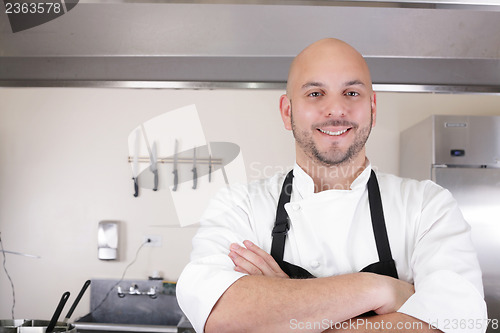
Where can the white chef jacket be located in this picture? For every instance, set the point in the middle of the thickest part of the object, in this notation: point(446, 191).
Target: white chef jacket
point(331, 234)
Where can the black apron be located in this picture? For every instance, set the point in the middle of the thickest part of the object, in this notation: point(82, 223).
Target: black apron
point(385, 265)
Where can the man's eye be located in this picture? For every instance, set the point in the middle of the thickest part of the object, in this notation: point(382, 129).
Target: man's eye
point(315, 94)
point(352, 93)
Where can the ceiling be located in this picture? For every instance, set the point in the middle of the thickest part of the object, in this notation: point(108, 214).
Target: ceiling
point(439, 46)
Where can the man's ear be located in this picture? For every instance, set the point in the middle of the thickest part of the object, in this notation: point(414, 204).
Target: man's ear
point(374, 108)
point(286, 111)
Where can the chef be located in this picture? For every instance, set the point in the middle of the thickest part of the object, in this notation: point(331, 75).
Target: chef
point(332, 245)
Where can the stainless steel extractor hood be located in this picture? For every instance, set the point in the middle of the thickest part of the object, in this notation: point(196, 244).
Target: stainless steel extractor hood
point(443, 46)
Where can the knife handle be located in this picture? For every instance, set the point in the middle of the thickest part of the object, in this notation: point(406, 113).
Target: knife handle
point(176, 180)
point(155, 188)
point(195, 178)
point(136, 187)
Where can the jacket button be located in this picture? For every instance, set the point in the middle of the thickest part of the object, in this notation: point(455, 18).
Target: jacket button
point(315, 264)
point(295, 206)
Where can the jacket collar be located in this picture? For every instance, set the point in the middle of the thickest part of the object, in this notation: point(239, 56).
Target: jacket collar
point(304, 184)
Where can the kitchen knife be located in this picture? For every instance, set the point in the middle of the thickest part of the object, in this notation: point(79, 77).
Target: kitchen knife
point(154, 166)
point(195, 174)
point(152, 158)
point(225, 175)
point(209, 168)
point(176, 176)
point(135, 163)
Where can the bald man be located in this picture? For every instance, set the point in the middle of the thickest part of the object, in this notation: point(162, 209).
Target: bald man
point(332, 245)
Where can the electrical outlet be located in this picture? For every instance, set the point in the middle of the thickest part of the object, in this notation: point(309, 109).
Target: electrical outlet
point(152, 240)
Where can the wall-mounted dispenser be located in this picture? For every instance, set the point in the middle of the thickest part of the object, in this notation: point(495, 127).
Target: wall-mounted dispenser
point(107, 240)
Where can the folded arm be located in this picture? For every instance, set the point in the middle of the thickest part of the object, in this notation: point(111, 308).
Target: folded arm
point(269, 300)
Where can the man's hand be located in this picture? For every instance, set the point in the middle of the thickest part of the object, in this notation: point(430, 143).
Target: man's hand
point(395, 293)
point(254, 261)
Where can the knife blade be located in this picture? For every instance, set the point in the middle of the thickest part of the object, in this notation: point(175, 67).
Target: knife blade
point(209, 168)
point(154, 166)
point(176, 176)
point(152, 158)
point(224, 175)
point(135, 163)
point(195, 173)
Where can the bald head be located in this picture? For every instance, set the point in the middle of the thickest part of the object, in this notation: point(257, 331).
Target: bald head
point(332, 55)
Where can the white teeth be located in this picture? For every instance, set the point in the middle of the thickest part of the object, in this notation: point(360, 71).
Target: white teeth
point(333, 133)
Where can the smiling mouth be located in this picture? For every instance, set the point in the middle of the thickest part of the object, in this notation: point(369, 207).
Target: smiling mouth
point(334, 133)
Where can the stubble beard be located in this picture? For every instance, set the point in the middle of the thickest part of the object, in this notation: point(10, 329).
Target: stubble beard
point(332, 156)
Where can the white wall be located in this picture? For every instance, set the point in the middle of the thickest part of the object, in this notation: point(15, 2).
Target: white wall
point(63, 168)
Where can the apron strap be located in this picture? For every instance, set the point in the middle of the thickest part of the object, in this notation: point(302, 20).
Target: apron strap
point(281, 225)
point(385, 266)
point(378, 221)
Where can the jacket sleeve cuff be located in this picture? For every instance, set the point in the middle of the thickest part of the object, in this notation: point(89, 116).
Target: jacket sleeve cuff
point(449, 302)
point(202, 279)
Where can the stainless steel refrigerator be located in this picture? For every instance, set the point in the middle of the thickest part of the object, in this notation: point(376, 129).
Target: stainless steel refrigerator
point(462, 154)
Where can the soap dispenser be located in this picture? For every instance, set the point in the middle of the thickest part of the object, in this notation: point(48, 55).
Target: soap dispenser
point(107, 240)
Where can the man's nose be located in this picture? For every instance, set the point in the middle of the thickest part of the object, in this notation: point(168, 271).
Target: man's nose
point(334, 107)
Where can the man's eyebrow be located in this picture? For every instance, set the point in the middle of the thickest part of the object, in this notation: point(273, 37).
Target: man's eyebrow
point(311, 84)
point(354, 83)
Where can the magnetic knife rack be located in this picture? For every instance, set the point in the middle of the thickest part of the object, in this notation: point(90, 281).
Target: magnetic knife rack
point(144, 159)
